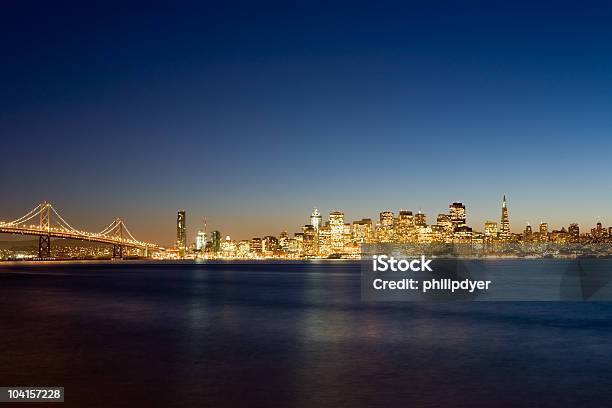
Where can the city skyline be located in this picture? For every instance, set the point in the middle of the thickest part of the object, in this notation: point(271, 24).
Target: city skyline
point(478, 214)
point(337, 237)
point(332, 237)
point(186, 234)
point(455, 219)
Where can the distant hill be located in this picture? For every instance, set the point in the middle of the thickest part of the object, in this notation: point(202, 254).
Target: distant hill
point(30, 243)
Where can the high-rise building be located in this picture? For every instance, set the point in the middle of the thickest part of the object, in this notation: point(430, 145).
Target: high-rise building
point(504, 225)
point(243, 248)
point(362, 231)
point(181, 233)
point(309, 236)
point(445, 227)
point(316, 219)
point(598, 232)
point(574, 232)
point(269, 244)
point(296, 244)
point(215, 241)
point(347, 235)
point(228, 247)
point(490, 232)
point(543, 236)
point(405, 231)
point(457, 214)
point(420, 220)
point(283, 241)
point(336, 225)
point(256, 246)
point(385, 232)
point(528, 234)
point(325, 241)
point(201, 241)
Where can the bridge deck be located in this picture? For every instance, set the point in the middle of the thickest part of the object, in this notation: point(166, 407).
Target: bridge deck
point(84, 236)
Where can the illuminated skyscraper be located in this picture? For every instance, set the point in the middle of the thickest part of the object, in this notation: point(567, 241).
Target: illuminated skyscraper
point(420, 220)
point(490, 233)
point(228, 247)
point(256, 246)
point(325, 247)
point(336, 226)
point(181, 233)
point(504, 225)
point(200, 241)
point(243, 248)
point(269, 244)
point(296, 244)
point(445, 227)
point(528, 234)
point(283, 241)
point(347, 234)
point(385, 232)
point(362, 231)
point(543, 231)
point(309, 236)
point(457, 214)
point(316, 219)
point(574, 232)
point(405, 227)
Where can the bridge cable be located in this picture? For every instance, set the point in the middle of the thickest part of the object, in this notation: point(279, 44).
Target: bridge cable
point(64, 221)
point(33, 213)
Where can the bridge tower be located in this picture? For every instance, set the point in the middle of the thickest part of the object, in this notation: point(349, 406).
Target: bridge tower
point(118, 232)
point(44, 240)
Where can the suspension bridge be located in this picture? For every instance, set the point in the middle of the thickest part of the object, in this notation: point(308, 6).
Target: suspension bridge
point(46, 223)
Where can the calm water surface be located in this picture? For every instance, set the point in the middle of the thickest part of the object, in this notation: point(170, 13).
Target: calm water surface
point(288, 335)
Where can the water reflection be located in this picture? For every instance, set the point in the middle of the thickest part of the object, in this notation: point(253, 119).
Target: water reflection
point(287, 335)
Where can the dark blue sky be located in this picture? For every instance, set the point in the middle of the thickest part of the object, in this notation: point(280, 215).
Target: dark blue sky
point(252, 113)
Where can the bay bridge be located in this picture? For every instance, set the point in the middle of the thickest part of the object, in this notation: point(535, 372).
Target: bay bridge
point(46, 223)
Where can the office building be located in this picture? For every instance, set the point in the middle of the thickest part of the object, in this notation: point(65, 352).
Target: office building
point(456, 212)
point(574, 232)
point(385, 231)
point(336, 225)
point(215, 241)
point(181, 233)
point(362, 231)
point(201, 241)
point(420, 220)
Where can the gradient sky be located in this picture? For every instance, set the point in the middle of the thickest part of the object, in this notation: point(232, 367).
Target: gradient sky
point(252, 113)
